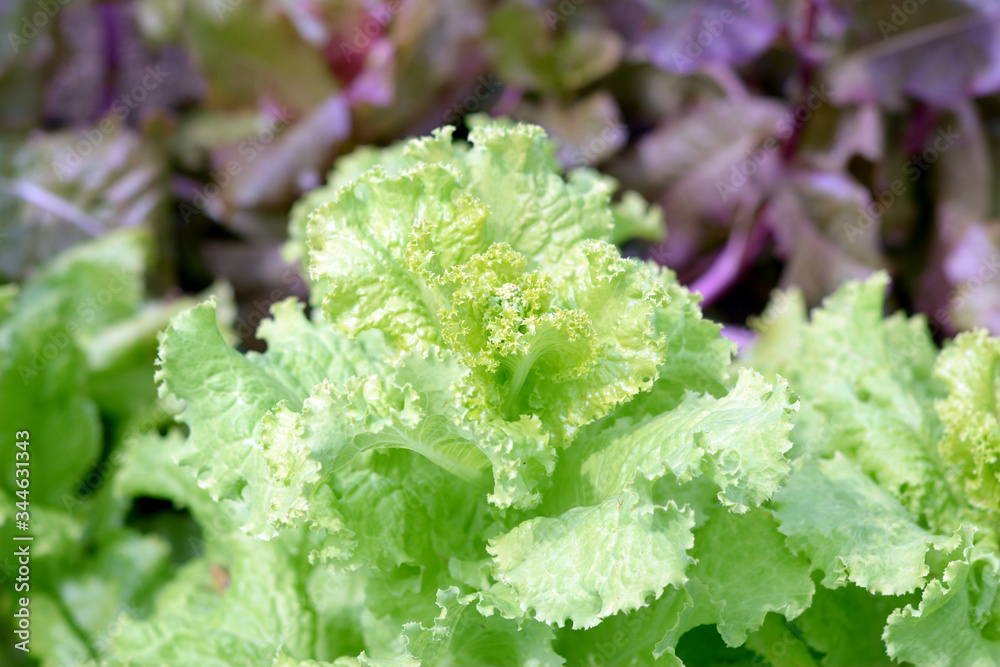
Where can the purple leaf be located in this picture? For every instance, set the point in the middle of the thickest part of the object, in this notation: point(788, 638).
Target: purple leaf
point(688, 34)
point(940, 64)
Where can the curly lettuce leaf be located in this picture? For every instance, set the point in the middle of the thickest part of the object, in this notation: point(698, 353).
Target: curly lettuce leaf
point(737, 441)
point(592, 562)
point(510, 171)
point(567, 348)
point(971, 441)
point(895, 474)
point(415, 404)
point(569, 343)
point(226, 394)
point(698, 356)
point(747, 589)
point(487, 252)
point(461, 635)
point(852, 530)
point(955, 622)
point(868, 392)
point(472, 434)
point(242, 602)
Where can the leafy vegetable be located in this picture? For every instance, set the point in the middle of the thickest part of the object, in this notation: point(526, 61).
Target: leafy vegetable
point(77, 341)
point(893, 490)
point(489, 430)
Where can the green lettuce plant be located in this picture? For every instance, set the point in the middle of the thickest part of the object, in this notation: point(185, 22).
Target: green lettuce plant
point(77, 345)
point(893, 496)
point(491, 439)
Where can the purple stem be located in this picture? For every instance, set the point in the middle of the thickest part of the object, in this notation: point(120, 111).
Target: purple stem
point(740, 335)
point(806, 70)
point(725, 267)
point(741, 250)
point(509, 98)
point(110, 54)
point(924, 121)
point(184, 187)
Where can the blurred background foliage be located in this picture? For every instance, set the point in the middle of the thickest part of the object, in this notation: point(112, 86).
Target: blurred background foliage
point(788, 141)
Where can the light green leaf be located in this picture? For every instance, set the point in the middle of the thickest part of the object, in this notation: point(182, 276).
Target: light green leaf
point(505, 188)
point(635, 218)
point(593, 562)
point(698, 356)
point(970, 369)
point(382, 240)
point(509, 168)
point(780, 329)
point(868, 392)
point(853, 530)
point(463, 636)
point(845, 624)
point(227, 394)
point(417, 404)
point(744, 564)
point(567, 349)
point(533, 209)
point(243, 602)
point(738, 441)
point(726, 588)
point(956, 619)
